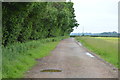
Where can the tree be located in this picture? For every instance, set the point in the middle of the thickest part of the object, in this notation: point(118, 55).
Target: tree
point(36, 20)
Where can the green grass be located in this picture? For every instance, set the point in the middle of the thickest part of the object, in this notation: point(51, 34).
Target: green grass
point(105, 47)
point(20, 57)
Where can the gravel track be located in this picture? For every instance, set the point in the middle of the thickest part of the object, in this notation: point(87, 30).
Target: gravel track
point(74, 61)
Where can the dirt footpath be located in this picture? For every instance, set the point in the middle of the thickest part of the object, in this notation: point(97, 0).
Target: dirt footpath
point(74, 61)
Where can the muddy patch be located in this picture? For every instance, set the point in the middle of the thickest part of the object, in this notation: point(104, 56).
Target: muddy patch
point(51, 70)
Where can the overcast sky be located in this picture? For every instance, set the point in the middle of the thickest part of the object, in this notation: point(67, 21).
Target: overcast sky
point(96, 16)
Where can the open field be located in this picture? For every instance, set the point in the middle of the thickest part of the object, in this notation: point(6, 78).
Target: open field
point(20, 57)
point(105, 47)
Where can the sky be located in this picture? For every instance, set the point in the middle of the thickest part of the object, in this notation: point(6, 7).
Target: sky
point(96, 16)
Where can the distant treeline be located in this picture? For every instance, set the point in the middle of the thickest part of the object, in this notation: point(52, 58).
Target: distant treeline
point(107, 34)
point(36, 20)
point(104, 34)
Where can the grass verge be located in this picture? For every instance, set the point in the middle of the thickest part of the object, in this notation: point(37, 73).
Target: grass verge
point(106, 48)
point(20, 57)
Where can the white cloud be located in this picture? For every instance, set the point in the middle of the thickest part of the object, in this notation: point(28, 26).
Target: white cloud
point(96, 15)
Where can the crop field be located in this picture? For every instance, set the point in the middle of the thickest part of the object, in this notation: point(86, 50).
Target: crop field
point(105, 47)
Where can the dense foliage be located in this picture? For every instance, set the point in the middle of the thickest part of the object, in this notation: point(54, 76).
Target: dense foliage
point(36, 20)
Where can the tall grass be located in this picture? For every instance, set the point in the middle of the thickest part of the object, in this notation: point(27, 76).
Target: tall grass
point(20, 57)
point(106, 48)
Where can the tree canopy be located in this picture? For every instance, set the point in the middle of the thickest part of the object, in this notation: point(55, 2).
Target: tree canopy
point(36, 20)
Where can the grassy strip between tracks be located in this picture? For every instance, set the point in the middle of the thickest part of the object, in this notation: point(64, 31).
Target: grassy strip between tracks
point(20, 57)
point(105, 47)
